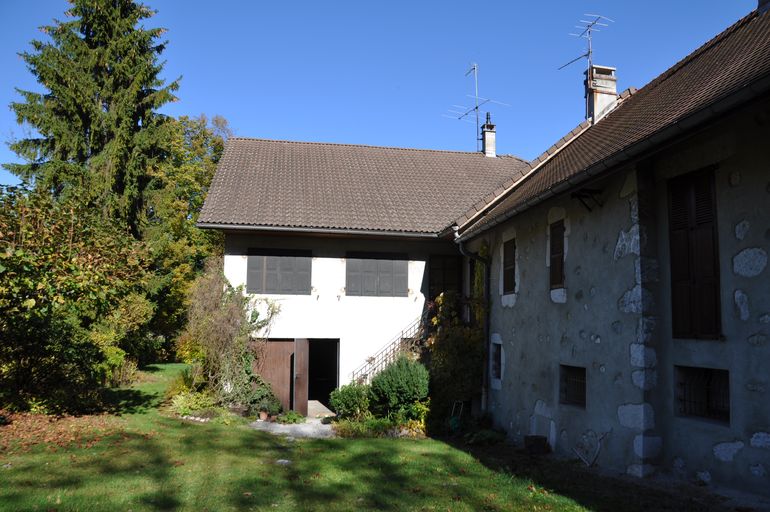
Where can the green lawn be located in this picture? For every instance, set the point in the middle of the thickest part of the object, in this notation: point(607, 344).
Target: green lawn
point(155, 462)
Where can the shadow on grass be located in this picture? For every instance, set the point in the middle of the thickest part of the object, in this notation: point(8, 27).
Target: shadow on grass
point(152, 368)
point(589, 488)
point(121, 401)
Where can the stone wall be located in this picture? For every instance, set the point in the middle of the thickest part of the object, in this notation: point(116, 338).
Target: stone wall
point(614, 317)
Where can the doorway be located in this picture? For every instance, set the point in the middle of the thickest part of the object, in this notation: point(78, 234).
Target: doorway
point(323, 369)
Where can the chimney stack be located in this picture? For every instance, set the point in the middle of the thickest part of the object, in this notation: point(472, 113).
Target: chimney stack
point(601, 91)
point(488, 145)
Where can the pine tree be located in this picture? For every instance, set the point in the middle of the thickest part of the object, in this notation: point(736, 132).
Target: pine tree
point(98, 130)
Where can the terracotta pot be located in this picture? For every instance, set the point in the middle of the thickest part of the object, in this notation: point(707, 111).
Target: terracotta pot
point(263, 415)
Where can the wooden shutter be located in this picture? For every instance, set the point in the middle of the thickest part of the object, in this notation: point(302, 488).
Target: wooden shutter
point(272, 275)
point(557, 255)
point(286, 275)
point(302, 274)
point(385, 278)
point(255, 274)
point(400, 278)
point(369, 277)
point(695, 304)
point(353, 277)
point(509, 266)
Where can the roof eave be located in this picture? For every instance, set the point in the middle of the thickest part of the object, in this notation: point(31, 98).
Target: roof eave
point(319, 231)
point(633, 152)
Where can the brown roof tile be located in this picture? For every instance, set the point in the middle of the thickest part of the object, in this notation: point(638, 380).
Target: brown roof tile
point(281, 184)
point(737, 58)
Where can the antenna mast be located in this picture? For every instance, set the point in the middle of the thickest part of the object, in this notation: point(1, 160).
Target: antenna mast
point(588, 28)
point(477, 102)
point(475, 70)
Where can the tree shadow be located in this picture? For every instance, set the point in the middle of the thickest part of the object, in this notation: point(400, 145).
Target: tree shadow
point(589, 487)
point(121, 401)
point(151, 368)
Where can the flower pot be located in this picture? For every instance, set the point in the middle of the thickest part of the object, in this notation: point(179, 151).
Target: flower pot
point(263, 415)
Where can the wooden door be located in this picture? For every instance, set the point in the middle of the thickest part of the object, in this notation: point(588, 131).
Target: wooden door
point(301, 358)
point(277, 369)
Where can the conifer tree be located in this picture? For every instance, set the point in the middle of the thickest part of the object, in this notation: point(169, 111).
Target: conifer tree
point(97, 130)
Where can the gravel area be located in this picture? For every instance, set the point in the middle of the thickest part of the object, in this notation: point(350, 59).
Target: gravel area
point(313, 428)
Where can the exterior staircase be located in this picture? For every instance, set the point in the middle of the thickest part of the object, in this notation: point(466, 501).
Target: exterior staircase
point(409, 341)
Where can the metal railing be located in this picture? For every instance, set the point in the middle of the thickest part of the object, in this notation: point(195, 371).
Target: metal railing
point(408, 341)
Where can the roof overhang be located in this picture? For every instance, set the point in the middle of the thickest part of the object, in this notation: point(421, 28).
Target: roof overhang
point(294, 230)
point(641, 149)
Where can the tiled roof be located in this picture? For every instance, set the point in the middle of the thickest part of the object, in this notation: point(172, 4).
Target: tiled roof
point(306, 185)
point(736, 61)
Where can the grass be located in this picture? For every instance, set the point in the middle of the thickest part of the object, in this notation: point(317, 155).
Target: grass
point(157, 462)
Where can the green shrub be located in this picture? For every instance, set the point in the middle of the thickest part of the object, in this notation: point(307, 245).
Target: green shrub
point(351, 401)
point(124, 374)
point(262, 398)
point(186, 403)
point(370, 427)
point(290, 417)
point(399, 385)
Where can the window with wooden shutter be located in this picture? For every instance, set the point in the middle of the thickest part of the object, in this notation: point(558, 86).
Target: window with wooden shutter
point(278, 272)
point(556, 256)
point(376, 275)
point(509, 266)
point(695, 304)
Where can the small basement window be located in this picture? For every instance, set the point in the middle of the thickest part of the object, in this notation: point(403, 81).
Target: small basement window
point(703, 392)
point(497, 361)
point(572, 385)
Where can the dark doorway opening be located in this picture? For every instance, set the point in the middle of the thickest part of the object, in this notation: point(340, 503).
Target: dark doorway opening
point(323, 369)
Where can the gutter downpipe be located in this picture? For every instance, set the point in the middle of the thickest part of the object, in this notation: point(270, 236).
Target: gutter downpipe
point(486, 262)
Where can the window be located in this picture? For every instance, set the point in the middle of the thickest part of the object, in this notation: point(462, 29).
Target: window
point(444, 275)
point(497, 361)
point(557, 254)
point(703, 392)
point(509, 266)
point(572, 385)
point(376, 275)
point(278, 272)
point(695, 308)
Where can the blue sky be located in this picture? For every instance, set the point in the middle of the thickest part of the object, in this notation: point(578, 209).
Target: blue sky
point(383, 73)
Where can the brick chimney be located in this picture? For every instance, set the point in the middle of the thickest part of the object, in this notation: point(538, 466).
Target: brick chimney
point(601, 91)
point(488, 134)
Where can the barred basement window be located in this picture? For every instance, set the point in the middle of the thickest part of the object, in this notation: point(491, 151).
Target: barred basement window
point(703, 392)
point(572, 385)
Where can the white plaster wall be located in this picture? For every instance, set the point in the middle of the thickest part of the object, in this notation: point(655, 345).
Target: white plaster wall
point(362, 324)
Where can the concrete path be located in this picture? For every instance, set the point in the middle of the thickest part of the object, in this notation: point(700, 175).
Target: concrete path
point(313, 428)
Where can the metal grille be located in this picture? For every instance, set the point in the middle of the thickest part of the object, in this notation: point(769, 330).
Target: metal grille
point(703, 392)
point(572, 385)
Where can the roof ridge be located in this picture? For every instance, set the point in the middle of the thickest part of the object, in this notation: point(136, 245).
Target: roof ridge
point(370, 146)
point(699, 51)
point(506, 186)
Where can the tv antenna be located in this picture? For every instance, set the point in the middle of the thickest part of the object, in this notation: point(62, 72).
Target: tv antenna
point(587, 29)
point(464, 112)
